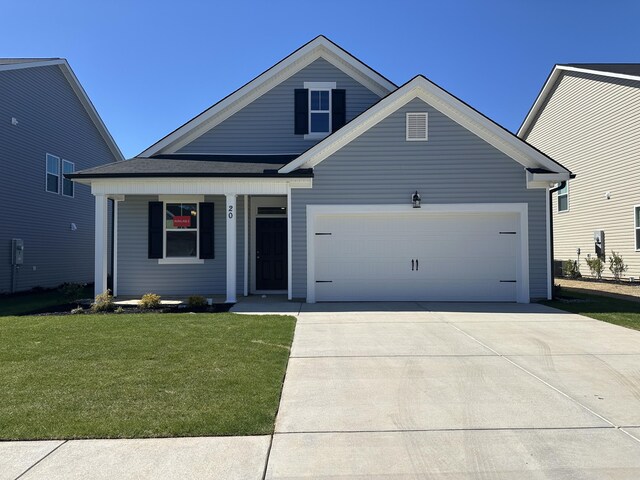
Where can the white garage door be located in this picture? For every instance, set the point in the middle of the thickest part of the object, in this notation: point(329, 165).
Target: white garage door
point(416, 256)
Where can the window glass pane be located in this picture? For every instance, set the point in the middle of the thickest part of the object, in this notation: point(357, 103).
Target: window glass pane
point(67, 187)
point(182, 244)
point(67, 167)
point(637, 216)
point(315, 100)
point(320, 122)
point(562, 203)
point(638, 239)
point(53, 165)
point(324, 100)
point(181, 215)
point(564, 190)
point(52, 183)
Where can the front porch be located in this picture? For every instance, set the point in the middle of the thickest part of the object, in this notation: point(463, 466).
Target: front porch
point(218, 239)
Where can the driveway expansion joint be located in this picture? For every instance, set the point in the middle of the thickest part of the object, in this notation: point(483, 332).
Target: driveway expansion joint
point(64, 442)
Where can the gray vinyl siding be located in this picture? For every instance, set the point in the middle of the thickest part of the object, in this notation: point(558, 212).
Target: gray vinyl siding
point(454, 166)
point(591, 124)
point(51, 119)
point(137, 274)
point(266, 124)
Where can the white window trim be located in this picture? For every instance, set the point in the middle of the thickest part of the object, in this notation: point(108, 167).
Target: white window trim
point(46, 173)
point(426, 131)
point(315, 87)
point(165, 199)
point(568, 201)
point(73, 187)
point(636, 227)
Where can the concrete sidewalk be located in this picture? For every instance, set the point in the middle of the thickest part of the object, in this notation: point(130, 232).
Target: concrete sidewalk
point(438, 391)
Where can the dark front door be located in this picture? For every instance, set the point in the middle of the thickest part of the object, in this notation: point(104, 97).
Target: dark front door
point(271, 253)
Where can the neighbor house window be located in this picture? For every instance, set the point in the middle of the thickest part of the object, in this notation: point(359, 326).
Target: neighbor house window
point(181, 227)
point(637, 215)
point(563, 198)
point(319, 111)
point(53, 174)
point(67, 185)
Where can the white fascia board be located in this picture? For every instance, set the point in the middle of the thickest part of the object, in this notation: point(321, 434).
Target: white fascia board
point(524, 129)
point(66, 70)
point(196, 186)
point(544, 180)
point(444, 102)
point(320, 47)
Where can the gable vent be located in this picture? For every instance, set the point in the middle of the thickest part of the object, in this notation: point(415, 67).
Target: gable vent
point(417, 126)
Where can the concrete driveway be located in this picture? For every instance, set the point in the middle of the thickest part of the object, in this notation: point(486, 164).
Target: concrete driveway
point(446, 391)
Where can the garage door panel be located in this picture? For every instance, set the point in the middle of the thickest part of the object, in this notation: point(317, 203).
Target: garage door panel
point(462, 257)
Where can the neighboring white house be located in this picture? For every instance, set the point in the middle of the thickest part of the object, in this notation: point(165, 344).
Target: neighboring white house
point(48, 127)
point(587, 116)
point(323, 180)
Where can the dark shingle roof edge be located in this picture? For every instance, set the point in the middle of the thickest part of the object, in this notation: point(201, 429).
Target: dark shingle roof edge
point(183, 166)
point(619, 68)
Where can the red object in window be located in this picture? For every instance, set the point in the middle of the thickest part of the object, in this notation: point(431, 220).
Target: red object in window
point(182, 221)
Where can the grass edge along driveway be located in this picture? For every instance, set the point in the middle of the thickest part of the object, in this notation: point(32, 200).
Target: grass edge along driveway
point(625, 313)
point(141, 375)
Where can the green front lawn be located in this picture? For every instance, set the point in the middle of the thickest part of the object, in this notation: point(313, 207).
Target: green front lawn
point(144, 375)
point(620, 312)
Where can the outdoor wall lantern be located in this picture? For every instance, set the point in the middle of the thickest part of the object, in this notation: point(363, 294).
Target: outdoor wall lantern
point(415, 199)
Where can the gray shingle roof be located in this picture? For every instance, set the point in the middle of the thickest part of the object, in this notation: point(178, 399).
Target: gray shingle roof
point(194, 166)
point(622, 68)
point(11, 61)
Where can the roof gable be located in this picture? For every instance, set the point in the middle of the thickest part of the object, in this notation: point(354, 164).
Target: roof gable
point(21, 63)
point(319, 47)
point(624, 71)
point(452, 107)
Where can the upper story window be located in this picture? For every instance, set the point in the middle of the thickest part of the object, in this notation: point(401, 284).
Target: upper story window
point(319, 109)
point(637, 223)
point(67, 185)
point(53, 174)
point(563, 198)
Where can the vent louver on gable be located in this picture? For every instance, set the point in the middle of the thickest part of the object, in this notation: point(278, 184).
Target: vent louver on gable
point(417, 126)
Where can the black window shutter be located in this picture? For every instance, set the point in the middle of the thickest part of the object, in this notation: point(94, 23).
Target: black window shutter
point(155, 229)
point(207, 249)
point(301, 105)
point(338, 109)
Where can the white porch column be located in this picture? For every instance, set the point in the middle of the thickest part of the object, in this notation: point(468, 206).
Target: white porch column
point(230, 213)
point(101, 244)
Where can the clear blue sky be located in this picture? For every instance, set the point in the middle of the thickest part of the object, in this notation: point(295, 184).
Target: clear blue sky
point(149, 66)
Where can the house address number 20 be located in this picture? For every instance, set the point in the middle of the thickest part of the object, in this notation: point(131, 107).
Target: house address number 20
point(230, 214)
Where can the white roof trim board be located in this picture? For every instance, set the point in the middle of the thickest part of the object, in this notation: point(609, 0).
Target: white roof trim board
point(320, 47)
point(420, 87)
point(80, 93)
point(557, 71)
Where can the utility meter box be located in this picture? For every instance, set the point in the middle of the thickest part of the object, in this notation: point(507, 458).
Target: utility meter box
point(17, 251)
point(598, 241)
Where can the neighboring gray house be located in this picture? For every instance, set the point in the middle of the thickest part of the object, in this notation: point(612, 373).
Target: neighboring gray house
point(588, 117)
point(48, 127)
point(307, 181)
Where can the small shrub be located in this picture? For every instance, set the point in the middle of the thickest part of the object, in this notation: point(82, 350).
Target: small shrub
point(77, 311)
point(197, 301)
point(617, 265)
point(103, 303)
point(149, 300)
point(571, 269)
point(119, 310)
point(596, 265)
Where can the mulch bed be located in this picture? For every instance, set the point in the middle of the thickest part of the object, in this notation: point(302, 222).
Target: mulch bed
point(65, 309)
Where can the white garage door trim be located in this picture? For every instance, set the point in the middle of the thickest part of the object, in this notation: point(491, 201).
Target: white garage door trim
point(519, 208)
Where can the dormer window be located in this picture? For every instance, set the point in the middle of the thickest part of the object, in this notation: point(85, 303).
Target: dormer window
point(319, 109)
